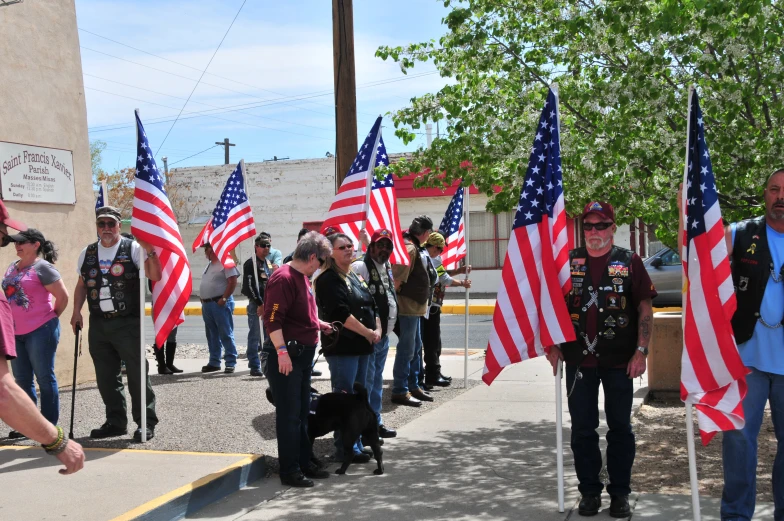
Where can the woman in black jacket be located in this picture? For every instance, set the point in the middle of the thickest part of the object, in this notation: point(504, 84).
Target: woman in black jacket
point(344, 298)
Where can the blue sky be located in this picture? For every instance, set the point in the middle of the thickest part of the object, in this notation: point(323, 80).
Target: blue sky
point(275, 53)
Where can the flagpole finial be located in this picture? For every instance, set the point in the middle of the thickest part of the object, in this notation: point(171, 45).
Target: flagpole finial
point(554, 86)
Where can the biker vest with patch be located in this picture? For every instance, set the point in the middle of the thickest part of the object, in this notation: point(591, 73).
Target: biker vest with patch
point(379, 292)
point(752, 264)
point(616, 338)
point(122, 280)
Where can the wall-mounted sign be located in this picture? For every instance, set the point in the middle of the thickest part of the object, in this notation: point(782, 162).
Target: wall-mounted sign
point(34, 174)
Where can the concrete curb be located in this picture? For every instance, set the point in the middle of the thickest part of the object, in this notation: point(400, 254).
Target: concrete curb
point(196, 495)
point(447, 309)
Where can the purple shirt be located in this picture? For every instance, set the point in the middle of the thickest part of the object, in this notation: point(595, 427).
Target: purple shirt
point(25, 291)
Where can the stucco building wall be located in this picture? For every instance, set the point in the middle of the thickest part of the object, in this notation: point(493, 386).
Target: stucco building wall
point(42, 103)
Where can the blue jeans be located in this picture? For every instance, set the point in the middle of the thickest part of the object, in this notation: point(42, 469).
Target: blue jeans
point(292, 406)
point(739, 449)
point(405, 372)
point(374, 382)
point(344, 371)
point(584, 411)
point(254, 336)
point(35, 356)
point(219, 326)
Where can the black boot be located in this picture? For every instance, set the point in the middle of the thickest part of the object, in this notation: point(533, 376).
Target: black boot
point(171, 348)
point(162, 369)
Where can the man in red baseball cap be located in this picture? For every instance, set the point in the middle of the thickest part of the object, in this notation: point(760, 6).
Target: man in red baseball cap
point(17, 410)
point(610, 308)
point(376, 270)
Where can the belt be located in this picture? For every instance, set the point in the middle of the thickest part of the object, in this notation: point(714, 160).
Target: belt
point(213, 299)
point(114, 314)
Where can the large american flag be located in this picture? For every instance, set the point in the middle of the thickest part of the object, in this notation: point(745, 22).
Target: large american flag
point(453, 229)
point(352, 208)
point(99, 202)
point(232, 219)
point(530, 312)
point(153, 221)
point(712, 372)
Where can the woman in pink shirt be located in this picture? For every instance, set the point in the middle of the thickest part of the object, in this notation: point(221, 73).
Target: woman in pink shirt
point(29, 285)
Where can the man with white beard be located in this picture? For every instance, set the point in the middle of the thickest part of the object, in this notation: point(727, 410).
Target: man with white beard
point(610, 308)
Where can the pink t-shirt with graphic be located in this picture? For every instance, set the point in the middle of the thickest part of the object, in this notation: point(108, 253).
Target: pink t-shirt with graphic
point(31, 303)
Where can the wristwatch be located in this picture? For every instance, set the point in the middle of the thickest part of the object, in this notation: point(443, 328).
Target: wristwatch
point(643, 350)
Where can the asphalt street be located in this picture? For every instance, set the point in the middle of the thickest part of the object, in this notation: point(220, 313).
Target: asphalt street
point(452, 331)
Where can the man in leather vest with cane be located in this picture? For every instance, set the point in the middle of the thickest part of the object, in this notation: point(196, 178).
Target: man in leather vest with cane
point(610, 307)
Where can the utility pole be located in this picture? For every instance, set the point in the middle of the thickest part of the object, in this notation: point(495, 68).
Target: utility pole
point(226, 146)
point(345, 87)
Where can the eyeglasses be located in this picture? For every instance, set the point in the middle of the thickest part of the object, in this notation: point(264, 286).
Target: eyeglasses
point(384, 245)
point(596, 226)
point(264, 245)
point(106, 224)
point(344, 247)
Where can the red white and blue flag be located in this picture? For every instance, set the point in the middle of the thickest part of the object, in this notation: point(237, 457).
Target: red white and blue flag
point(99, 202)
point(353, 206)
point(153, 221)
point(453, 229)
point(530, 312)
point(713, 376)
point(232, 219)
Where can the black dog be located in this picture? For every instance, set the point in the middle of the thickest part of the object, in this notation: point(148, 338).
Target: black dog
point(351, 415)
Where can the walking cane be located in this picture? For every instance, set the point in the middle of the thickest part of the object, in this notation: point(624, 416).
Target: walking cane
point(77, 352)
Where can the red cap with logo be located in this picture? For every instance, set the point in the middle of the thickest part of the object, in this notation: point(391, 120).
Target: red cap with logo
point(599, 208)
point(383, 233)
point(6, 219)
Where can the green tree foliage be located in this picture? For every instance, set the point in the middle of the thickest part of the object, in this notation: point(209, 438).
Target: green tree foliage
point(623, 70)
point(96, 150)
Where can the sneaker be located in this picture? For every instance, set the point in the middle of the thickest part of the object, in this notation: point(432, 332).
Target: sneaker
point(137, 434)
point(256, 372)
point(228, 370)
point(209, 368)
point(107, 430)
point(589, 505)
point(296, 480)
point(619, 506)
point(16, 435)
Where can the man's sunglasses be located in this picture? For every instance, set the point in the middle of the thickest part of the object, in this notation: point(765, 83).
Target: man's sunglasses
point(106, 224)
point(384, 245)
point(264, 245)
point(596, 226)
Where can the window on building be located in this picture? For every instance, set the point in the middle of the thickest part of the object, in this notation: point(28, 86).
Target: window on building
point(488, 239)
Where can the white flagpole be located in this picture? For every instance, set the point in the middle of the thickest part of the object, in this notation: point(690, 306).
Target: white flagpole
point(693, 479)
point(142, 348)
point(253, 254)
point(105, 189)
point(467, 307)
point(558, 375)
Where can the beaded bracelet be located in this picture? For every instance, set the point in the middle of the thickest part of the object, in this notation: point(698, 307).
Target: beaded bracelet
point(58, 445)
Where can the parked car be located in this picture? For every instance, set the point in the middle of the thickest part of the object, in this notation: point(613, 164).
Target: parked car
point(664, 268)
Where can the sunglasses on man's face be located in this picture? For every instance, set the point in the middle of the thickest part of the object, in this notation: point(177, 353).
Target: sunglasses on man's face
point(384, 245)
point(596, 226)
point(106, 224)
point(264, 245)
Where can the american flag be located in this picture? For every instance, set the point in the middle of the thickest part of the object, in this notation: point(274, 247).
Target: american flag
point(153, 221)
point(232, 219)
point(453, 229)
point(530, 311)
point(713, 376)
point(99, 202)
point(350, 208)
point(204, 236)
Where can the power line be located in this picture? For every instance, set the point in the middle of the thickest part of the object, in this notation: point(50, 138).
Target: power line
point(194, 155)
point(165, 119)
point(202, 75)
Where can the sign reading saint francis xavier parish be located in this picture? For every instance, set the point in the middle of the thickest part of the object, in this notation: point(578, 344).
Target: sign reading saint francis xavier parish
point(36, 174)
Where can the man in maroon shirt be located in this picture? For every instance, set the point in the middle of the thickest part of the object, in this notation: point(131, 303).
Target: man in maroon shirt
point(16, 408)
point(610, 307)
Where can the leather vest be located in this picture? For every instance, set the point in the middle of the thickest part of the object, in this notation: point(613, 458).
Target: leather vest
point(122, 280)
point(379, 292)
point(262, 276)
point(752, 264)
point(418, 285)
point(617, 316)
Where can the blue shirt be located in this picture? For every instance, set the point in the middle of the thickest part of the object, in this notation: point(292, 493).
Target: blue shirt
point(765, 349)
point(275, 257)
